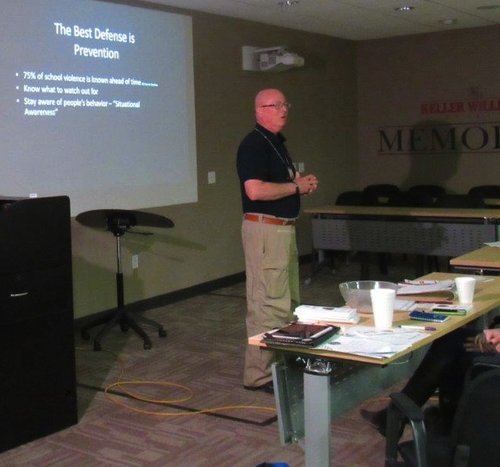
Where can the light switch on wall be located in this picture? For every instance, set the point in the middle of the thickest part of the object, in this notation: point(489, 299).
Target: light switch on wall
point(300, 167)
point(211, 177)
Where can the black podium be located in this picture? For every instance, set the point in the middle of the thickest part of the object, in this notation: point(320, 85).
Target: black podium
point(119, 222)
point(37, 352)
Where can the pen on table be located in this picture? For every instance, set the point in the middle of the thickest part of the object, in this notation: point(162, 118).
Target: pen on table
point(418, 328)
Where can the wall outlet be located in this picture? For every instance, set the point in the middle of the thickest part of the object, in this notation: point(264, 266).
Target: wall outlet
point(135, 261)
point(211, 177)
point(301, 167)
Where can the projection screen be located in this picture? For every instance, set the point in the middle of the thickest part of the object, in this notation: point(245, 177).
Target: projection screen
point(97, 103)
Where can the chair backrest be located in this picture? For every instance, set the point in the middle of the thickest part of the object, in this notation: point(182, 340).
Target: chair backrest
point(399, 199)
point(486, 192)
point(459, 201)
point(350, 198)
point(407, 199)
point(434, 191)
point(379, 194)
point(475, 429)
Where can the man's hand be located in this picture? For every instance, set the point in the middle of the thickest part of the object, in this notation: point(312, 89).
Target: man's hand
point(307, 184)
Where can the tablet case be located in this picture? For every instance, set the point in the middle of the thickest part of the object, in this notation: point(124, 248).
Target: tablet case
point(299, 334)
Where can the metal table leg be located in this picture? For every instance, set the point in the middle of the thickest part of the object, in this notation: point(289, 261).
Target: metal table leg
point(317, 424)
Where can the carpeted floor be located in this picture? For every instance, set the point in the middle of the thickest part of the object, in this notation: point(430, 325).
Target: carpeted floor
point(197, 413)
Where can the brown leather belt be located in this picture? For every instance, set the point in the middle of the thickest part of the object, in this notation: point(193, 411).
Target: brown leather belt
point(267, 219)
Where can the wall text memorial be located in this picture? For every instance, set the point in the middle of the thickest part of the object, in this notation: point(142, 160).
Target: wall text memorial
point(472, 137)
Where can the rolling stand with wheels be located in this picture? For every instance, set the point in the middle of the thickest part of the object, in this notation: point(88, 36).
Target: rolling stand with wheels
point(118, 222)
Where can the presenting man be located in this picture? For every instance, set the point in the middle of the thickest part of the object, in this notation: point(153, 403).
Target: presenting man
point(270, 191)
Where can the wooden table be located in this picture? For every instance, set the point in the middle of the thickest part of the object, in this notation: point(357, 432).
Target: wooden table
point(482, 260)
point(315, 401)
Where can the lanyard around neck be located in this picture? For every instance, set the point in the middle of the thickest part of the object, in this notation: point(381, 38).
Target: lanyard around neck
point(286, 161)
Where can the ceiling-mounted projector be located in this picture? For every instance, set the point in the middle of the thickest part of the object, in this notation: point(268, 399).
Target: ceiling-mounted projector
point(269, 59)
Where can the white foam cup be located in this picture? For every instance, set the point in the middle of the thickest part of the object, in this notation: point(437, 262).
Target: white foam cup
point(383, 307)
point(465, 289)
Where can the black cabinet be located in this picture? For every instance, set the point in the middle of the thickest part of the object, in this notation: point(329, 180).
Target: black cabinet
point(37, 356)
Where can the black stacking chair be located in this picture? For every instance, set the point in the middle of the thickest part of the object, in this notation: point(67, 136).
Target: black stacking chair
point(415, 199)
point(350, 198)
point(459, 201)
point(379, 194)
point(427, 191)
point(399, 199)
point(473, 440)
point(410, 199)
point(484, 192)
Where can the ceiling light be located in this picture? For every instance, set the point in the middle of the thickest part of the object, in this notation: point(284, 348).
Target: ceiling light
point(404, 8)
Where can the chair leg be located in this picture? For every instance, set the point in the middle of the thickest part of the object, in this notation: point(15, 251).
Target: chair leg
point(365, 266)
point(97, 322)
point(150, 322)
point(115, 319)
point(420, 265)
point(139, 331)
point(383, 260)
point(392, 437)
point(402, 409)
point(126, 321)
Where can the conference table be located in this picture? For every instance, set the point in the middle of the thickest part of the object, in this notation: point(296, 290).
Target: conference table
point(305, 395)
point(480, 261)
point(426, 231)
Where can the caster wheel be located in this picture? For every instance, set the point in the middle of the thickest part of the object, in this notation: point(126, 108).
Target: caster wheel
point(147, 345)
point(162, 332)
point(97, 346)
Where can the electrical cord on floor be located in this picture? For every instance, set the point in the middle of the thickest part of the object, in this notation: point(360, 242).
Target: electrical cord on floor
point(120, 385)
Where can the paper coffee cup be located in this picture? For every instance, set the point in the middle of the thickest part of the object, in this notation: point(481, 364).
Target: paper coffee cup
point(383, 307)
point(465, 289)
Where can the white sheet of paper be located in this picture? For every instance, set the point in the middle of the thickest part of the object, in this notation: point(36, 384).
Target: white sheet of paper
point(368, 341)
point(425, 288)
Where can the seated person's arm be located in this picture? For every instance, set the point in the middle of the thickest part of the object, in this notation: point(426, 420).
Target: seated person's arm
point(487, 341)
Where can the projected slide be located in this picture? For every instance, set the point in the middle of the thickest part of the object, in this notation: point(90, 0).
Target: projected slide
point(97, 103)
point(46, 92)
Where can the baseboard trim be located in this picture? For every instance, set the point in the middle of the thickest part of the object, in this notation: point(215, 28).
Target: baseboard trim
point(177, 295)
point(169, 298)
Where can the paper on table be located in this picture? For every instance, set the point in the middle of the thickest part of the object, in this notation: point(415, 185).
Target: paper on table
point(312, 313)
point(403, 305)
point(369, 342)
point(496, 244)
point(424, 288)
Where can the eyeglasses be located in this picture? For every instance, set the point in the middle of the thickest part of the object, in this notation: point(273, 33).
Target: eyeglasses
point(279, 105)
